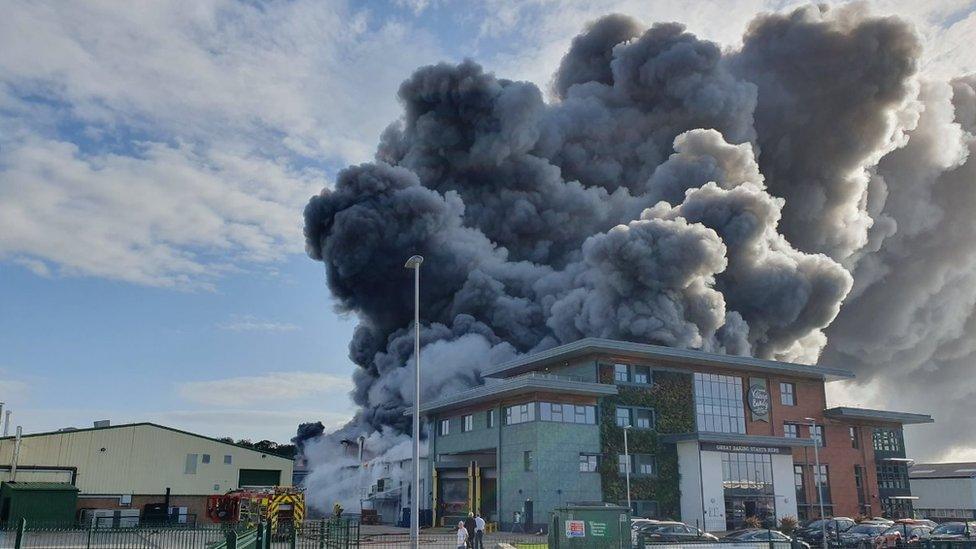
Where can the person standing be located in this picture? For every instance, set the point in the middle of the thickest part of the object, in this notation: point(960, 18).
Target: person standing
point(462, 536)
point(479, 532)
point(518, 522)
point(469, 525)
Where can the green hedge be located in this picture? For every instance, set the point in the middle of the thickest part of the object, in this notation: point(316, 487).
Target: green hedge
point(671, 398)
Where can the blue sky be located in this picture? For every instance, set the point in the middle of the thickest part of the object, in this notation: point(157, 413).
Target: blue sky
point(155, 159)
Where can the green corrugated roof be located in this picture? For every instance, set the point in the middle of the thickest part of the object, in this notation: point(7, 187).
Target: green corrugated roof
point(39, 486)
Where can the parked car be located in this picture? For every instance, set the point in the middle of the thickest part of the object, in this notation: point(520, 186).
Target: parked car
point(952, 530)
point(671, 532)
point(762, 535)
point(903, 531)
point(861, 535)
point(812, 531)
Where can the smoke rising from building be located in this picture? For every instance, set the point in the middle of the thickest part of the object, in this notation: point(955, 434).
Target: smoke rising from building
point(764, 201)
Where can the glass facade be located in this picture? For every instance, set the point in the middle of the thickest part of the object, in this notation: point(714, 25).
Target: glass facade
point(753, 472)
point(790, 430)
point(887, 440)
point(718, 403)
point(588, 463)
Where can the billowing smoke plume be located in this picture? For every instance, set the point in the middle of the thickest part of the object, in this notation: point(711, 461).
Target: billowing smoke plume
point(667, 192)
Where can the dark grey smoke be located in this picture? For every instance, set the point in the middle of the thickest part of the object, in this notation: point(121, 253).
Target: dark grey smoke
point(669, 193)
point(305, 432)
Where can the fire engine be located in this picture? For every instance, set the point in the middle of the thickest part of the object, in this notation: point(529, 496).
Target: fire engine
point(283, 507)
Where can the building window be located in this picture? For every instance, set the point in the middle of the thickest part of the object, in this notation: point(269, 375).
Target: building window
point(520, 413)
point(886, 440)
point(822, 482)
point(718, 403)
point(444, 427)
point(752, 472)
point(621, 372)
point(490, 418)
point(817, 433)
point(791, 430)
point(190, 467)
point(623, 417)
point(467, 423)
point(787, 394)
point(228, 459)
point(642, 374)
point(623, 464)
point(801, 491)
point(205, 458)
point(855, 437)
point(644, 418)
point(587, 463)
point(859, 484)
point(527, 460)
point(567, 413)
point(645, 464)
point(642, 508)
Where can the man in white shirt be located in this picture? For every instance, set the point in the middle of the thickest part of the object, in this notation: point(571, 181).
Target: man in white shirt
point(462, 536)
point(479, 532)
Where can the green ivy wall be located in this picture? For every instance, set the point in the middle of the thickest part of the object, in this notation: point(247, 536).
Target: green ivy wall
point(672, 399)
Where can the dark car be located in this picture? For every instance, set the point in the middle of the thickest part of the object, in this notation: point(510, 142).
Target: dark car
point(762, 535)
point(672, 532)
point(862, 535)
point(953, 530)
point(812, 531)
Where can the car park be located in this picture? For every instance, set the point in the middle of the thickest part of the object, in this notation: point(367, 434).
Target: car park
point(902, 532)
point(952, 531)
point(861, 536)
point(671, 532)
point(762, 535)
point(812, 531)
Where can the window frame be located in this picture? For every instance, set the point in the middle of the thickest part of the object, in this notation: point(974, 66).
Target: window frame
point(791, 430)
point(528, 464)
point(787, 391)
point(467, 423)
point(490, 419)
point(444, 427)
point(630, 416)
point(617, 366)
point(589, 463)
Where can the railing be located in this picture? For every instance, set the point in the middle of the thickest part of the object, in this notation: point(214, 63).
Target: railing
point(542, 375)
point(25, 535)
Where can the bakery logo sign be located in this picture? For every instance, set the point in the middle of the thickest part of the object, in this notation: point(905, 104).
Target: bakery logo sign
point(759, 400)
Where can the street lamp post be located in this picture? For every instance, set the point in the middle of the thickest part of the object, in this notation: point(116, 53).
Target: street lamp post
point(627, 468)
point(816, 477)
point(414, 263)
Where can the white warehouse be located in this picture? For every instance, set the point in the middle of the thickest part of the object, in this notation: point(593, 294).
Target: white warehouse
point(945, 491)
point(134, 465)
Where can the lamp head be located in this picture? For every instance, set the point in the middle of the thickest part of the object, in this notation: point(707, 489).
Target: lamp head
point(414, 262)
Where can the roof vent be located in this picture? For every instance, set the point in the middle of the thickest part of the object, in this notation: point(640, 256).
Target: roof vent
point(103, 423)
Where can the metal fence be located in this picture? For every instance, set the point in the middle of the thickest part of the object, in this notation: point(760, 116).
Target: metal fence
point(26, 536)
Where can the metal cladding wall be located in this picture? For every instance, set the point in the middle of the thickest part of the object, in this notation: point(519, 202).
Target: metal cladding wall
point(41, 503)
point(143, 458)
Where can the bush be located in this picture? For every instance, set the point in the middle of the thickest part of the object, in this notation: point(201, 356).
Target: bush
point(752, 522)
point(787, 525)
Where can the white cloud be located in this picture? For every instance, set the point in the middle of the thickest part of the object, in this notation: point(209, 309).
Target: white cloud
point(276, 387)
point(167, 144)
point(250, 323)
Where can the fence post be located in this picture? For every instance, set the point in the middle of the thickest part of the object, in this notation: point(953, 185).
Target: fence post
point(91, 532)
point(322, 534)
point(293, 537)
point(259, 539)
point(231, 539)
point(19, 540)
point(267, 535)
